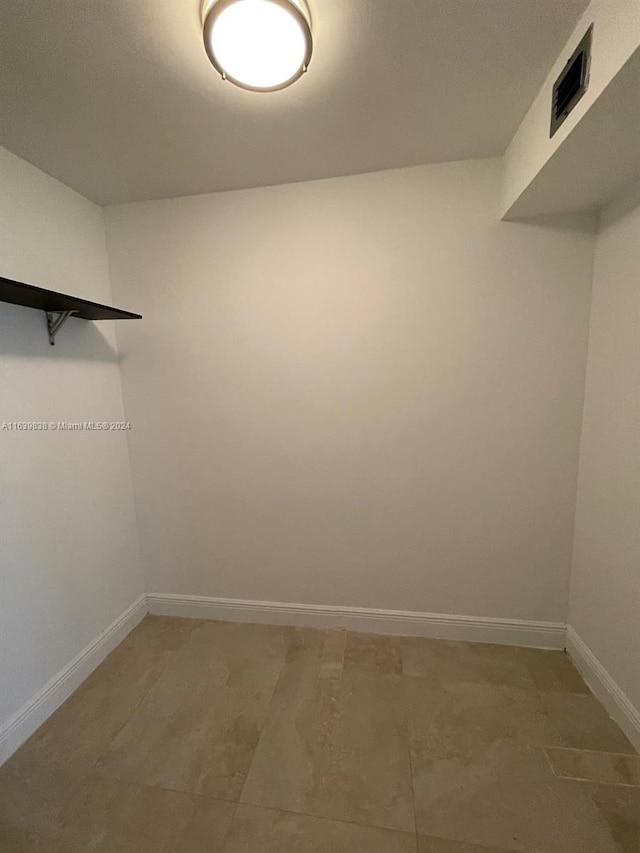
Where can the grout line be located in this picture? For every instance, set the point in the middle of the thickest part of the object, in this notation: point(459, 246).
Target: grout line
point(227, 833)
point(594, 751)
point(413, 793)
point(285, 662)
point(332, 658)
point(599, 782)
point(325, 817)
point(237, 803)
point(411, 763)
point(164, 656)
point(546, 749)
point(134, 783)
point(129, 716)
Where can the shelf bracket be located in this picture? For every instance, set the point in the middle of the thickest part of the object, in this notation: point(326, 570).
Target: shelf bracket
point(55, 321)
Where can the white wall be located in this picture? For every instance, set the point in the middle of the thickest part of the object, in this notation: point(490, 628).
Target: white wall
point(363, 391)
point(69, 561)
point(605, 581)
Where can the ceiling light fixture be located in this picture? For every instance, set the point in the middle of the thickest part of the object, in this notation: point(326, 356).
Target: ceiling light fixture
point(261, 45)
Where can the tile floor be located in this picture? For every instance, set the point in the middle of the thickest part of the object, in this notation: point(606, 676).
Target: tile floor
point(214, 737)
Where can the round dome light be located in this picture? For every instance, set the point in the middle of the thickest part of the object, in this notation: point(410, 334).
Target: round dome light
point(261, 45)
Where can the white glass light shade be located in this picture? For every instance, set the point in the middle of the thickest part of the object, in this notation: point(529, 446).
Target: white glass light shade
point(262, 45)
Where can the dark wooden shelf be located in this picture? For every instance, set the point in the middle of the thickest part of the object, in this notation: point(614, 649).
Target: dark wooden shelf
point(48, 300)
point(51, 302)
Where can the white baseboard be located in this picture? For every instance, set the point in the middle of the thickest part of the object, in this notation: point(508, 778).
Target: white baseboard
point(615, 700)
point(548, 635)
point(32, 715)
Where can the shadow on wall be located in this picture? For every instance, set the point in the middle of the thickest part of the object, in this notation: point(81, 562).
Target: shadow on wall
point(620, 208)
point(585, 222)
point(23, 333)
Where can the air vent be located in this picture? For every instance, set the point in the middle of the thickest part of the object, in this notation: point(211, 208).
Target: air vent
point(572, 82)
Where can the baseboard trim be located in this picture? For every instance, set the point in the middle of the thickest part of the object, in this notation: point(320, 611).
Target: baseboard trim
point(32, 715)
point(615, 700)
point(550, 635)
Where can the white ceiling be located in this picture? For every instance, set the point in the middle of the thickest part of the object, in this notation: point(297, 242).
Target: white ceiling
point(117, 99)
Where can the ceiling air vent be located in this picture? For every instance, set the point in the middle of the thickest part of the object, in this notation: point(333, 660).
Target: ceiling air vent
point(572, 82)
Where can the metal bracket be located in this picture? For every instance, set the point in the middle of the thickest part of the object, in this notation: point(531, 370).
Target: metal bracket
point(55, 321)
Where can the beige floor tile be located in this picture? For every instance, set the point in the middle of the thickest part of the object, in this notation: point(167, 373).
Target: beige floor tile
point(620, 808)
point(198, 727)
point(37, 782)
point(35, 799)
point(16, 840)
point(315, 726)
point(373, 653)
point(449, 662)
point(335, 750)
point(583, 723)
point(160, 634)
point(509, 799)
point(238, 640)
point(441, 845)
point(258, 830)
point(116, 817)
point(113, 816)
point(604, 767)
point(80, 730)
point(552, 671)
point(467, 720)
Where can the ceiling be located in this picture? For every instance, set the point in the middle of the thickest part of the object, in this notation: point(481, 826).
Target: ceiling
point(117, 98)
